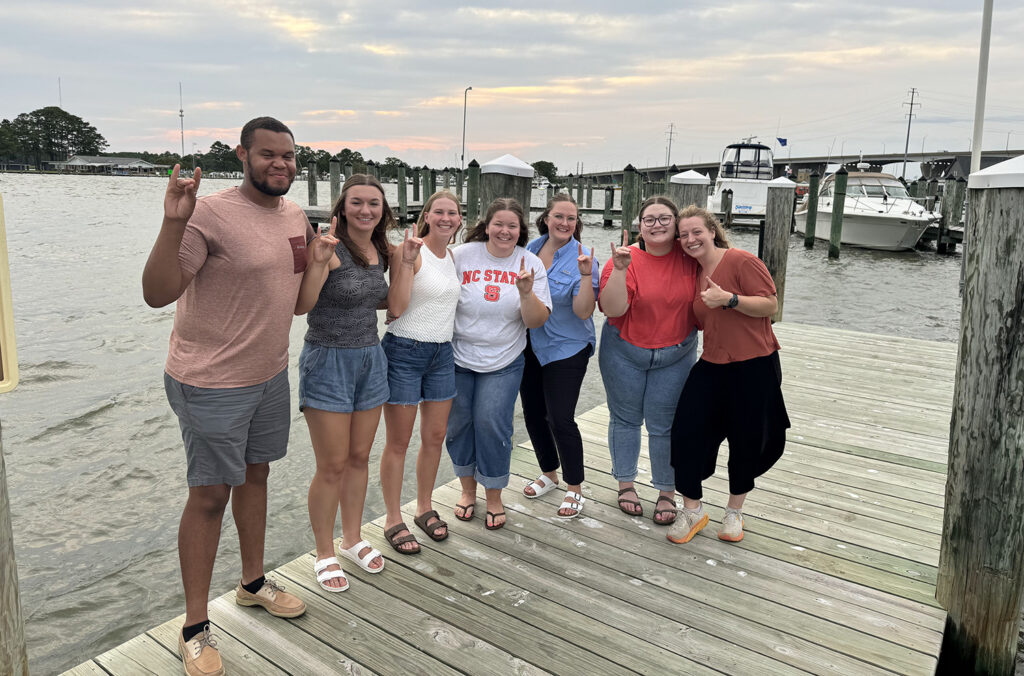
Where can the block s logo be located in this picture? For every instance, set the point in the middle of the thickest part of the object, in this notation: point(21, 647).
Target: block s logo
point(492, 293)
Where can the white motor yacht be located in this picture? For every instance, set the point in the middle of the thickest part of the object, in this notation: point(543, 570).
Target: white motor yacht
point(878, 213)
point(746, 169)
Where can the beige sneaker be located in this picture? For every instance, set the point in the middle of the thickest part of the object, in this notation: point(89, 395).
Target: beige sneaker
point(688, 524)
point(732, 526)
point(273, 598)
point(199, 655)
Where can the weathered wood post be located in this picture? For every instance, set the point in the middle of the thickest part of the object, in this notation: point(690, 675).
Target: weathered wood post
point(609, 199)
point(506, 176)
point(579, 190)
point(445, 175)
point(568, 185)
point(371, 169)
point(915, 189)
point(335, 181)
point(838, 208)
point(812, 209)
point(13, 654)
point(689, 187)
point(403, 195)
point(311, 183)
point(590, 192)
point(472, 193)
point(777, 217)
point(981, 566)
point(549, 193)
point(415, 175)
point(432, 182)
point(348, 171)
point(459, 180)
point(958, 209)
point(425, 184)
point(630, 199)
point(946, 205)
point(727, 207)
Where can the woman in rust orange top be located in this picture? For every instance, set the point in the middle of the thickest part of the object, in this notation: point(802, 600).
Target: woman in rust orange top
point(734, 391)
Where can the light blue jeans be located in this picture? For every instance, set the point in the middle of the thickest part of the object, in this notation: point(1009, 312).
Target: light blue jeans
point(643, 387)
point(479, 437)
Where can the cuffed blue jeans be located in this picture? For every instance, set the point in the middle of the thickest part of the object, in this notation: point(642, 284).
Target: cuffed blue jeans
point(643, 387)
point(479, 437)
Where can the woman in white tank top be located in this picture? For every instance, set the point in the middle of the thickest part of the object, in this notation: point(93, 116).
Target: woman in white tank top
point(422, 298)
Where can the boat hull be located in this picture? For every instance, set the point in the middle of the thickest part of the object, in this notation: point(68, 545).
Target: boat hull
point(868, 231)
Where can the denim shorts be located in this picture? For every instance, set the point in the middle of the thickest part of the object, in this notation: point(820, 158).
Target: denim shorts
point(418, 371)
point(342, 379)
point(225, 429)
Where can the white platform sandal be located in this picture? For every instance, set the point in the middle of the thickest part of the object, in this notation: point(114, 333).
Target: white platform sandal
point(577, 505)
point(323, 575)
point(352, 554)
point(542, 485)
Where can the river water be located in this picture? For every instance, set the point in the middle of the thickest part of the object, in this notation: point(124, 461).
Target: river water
point(94, 457)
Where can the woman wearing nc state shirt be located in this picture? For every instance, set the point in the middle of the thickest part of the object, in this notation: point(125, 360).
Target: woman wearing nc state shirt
point(503, 292)
point(647, 349)
point(735, 390)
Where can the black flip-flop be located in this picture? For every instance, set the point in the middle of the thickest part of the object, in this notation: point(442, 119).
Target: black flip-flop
point(492, 525)
point(467, 512)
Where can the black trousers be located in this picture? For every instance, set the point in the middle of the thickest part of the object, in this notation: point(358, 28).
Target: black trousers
point(549, 394)
point(741, 402)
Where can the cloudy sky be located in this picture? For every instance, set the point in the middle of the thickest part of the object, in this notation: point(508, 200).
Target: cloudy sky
point(597, 83)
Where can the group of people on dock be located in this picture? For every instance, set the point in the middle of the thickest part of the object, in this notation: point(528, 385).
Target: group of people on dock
point(469, 328)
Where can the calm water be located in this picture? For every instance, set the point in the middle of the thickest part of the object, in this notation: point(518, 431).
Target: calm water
point(94, 459)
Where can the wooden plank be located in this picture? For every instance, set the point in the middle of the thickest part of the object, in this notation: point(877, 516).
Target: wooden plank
point(282, 642)
point(706, 602)
point(140, 655)
point(390, 612)
point(237, 657)
point(89, 668)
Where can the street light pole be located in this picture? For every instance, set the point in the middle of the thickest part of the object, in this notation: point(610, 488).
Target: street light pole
point(465, 101)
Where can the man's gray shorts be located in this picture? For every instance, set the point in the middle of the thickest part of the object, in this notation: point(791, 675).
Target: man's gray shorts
point(226, 429)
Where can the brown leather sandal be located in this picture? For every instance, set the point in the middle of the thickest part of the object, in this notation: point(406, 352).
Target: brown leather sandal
point(670, 510)
point(391, 535)
point(624, 501)
point(432, 529)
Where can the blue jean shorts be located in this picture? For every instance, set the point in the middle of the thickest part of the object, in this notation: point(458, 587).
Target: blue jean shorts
point(418, 371)
point(342, 379)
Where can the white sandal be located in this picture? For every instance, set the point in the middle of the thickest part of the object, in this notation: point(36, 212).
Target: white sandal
point(323, 575)
point(577, 505)
point(352, 553)
point(542, 485)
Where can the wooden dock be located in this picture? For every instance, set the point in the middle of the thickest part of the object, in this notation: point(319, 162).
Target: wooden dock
point(836, 573)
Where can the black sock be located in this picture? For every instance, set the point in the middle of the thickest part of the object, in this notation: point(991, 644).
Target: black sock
point(255, 585)
point(192, 630)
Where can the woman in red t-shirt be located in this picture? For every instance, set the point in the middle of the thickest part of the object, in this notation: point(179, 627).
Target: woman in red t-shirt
point(734, 392)
point(647, 349)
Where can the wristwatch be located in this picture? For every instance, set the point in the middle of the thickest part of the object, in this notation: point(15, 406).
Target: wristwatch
point(733, 302)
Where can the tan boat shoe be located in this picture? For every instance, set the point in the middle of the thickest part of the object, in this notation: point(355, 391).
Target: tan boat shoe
point(199, 655)
point(273, 598)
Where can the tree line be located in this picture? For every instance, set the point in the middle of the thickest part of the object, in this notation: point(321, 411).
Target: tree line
point(52, 134)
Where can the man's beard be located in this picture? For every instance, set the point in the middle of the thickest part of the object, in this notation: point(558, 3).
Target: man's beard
point(265, 187)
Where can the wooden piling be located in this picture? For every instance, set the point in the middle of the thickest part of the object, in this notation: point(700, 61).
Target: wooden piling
point(403, 195)
point(727, 207)
point(549, 193)
point(445, 175)
point(432, 182)
point(981, 566)
point(812, 209)
point(459, 180)
point(472, 193)
point(371, 169)
point(425, 184)
point(689, 187)
point(609, 198)
point(348, 171)
point(630, 199)
point(311, 183)
point(414, 173)
point(335, 181)
point(506, 176)
point(948, 197)
point(958, 209)
point(838, 208)
point(590, 192)
point(579, 191)
point(778, 217)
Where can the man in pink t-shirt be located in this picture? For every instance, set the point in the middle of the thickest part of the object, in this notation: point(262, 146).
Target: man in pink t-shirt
point(234, 262)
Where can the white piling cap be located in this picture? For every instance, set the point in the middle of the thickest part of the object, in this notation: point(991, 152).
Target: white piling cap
point(690, 177)
point(509, 165)
point(1008, 174)
point(781, 182)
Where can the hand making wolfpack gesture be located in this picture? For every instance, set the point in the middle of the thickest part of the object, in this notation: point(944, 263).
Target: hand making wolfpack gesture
point(621, 256)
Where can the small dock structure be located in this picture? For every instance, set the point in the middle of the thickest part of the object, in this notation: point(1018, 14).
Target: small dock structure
point(836, 573)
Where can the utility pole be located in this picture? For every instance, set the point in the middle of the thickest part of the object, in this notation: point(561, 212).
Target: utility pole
point(670, 134)
point(181, 116)
point(910, 117)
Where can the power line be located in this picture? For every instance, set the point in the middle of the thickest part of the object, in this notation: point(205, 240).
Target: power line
point(910, 117)
point(670, 134)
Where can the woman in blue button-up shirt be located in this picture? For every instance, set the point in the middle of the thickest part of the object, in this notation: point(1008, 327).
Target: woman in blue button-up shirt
point(557, 353)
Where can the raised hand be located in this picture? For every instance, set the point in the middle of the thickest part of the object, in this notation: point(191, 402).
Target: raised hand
point(585, 262)
point(714, 296)
point(524, 282)
point(180, 198)
point(622, 256)
point(322, 248)
point(410, 248)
